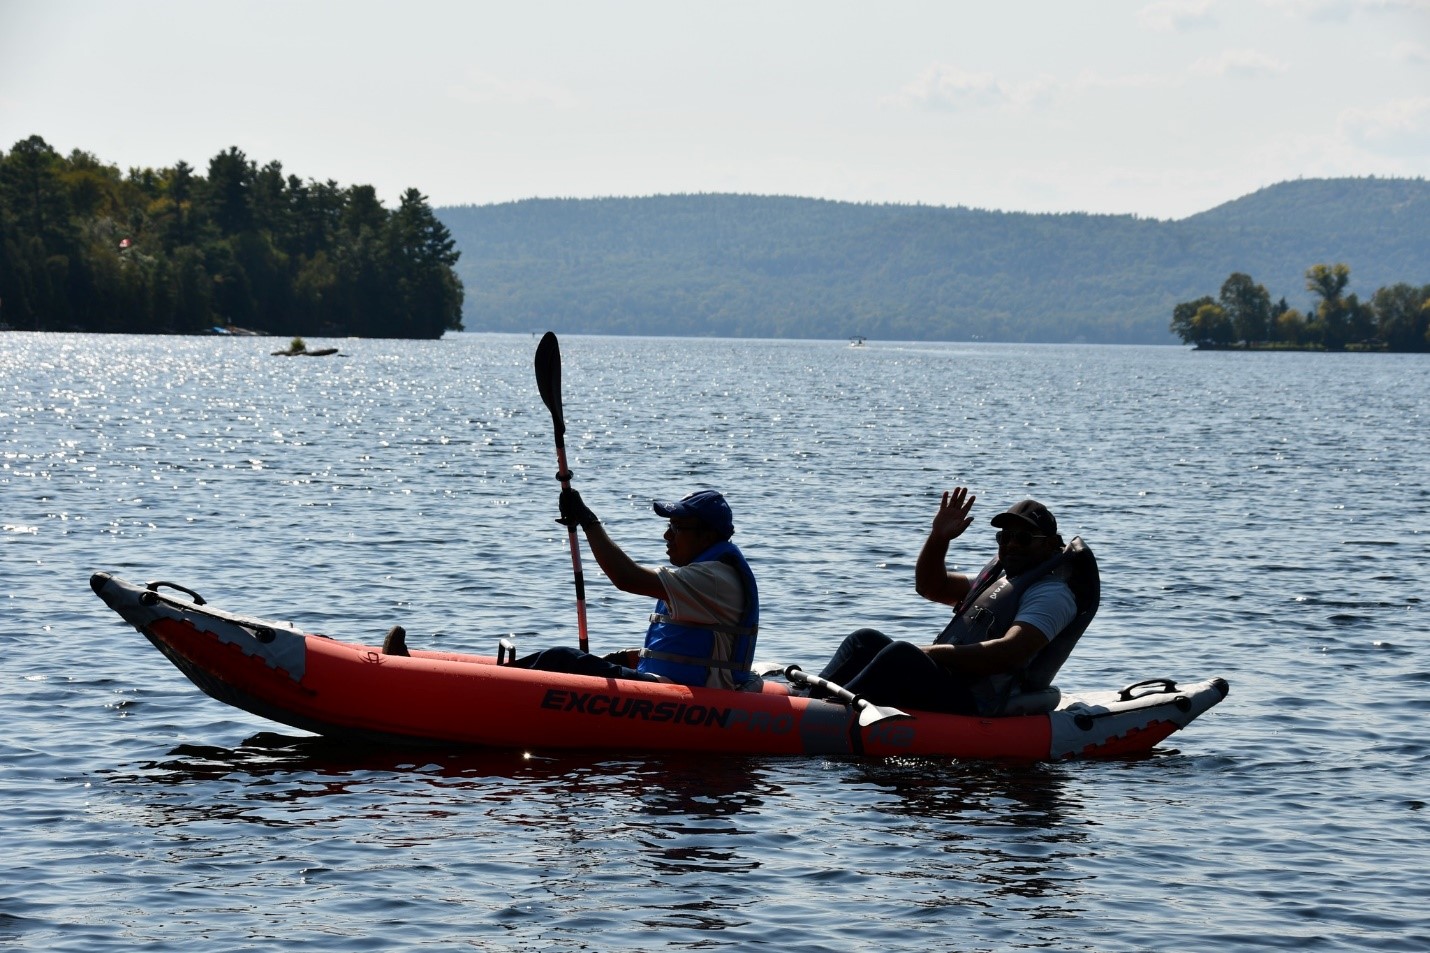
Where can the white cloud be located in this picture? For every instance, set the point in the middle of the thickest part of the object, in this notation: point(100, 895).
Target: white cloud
point(1327, 10)
point(943, 88)
point(1239, 63)
point(1174, 15)
point(1339, 11)
point(950, 88)
point(1399, 127)
point(1410, 52)
point(1092, 80)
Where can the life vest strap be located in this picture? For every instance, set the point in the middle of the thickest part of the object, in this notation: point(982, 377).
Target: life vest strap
point(736, 630)
point(691, 660)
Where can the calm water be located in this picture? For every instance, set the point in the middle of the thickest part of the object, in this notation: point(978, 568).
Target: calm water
point(1261, 517)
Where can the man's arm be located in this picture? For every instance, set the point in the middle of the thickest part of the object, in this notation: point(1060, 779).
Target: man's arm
point(932, 580)
point(1047, 607)
point(624, 572)
point(1008, 653)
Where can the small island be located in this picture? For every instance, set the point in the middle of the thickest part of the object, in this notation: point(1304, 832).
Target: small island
point(1242, 317)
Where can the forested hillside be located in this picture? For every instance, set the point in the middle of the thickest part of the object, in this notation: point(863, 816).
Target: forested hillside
point(84, 247)
point(734, 265)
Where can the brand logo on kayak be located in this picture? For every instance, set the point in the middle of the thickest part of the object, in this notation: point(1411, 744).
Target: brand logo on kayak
point(680, 713)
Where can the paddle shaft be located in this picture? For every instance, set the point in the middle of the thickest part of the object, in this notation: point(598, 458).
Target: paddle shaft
point(869, 713)
point(548, 382)
point(575, 546)
point(796, 674)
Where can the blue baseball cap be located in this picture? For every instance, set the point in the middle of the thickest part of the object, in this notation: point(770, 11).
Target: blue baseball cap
point(707, 506)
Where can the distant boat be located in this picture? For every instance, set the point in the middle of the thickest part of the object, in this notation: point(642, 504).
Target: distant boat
point(299, 348)
point(304, 352)
point(856, 341)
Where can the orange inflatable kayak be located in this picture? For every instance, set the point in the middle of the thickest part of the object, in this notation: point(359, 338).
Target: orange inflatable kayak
point(355, 692)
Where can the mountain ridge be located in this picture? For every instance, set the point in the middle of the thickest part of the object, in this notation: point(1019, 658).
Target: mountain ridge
point(717, 264)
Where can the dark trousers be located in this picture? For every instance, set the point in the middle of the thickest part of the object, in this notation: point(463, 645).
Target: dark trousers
point(871, 664)
point(573, 661)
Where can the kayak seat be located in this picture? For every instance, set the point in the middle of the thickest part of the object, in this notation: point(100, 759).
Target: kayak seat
point(395, 643)
point(1037, 702)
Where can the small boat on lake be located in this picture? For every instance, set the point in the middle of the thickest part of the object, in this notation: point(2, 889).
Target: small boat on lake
point(304, 352)
point(299, 348)
point(358, 693)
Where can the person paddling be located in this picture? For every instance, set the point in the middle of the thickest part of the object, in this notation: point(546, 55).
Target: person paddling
point(707, 609)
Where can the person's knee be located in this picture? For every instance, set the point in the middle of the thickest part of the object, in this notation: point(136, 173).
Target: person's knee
point(562, 658)
point(868, 639)
point(900, 653)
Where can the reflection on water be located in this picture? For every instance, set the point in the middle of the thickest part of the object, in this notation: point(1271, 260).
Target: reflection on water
point(660, 821)
point(999, 793)
point(667, 803)
point(963, 831)
point(995, 829)
point(657, 786)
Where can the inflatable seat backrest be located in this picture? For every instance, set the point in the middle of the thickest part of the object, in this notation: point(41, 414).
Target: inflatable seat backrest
point(1079, 570)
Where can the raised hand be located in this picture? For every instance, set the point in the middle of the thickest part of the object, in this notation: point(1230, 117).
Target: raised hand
point(953, 516)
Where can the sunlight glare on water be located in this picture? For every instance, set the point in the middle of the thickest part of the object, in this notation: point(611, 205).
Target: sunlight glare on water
point(1262, 517)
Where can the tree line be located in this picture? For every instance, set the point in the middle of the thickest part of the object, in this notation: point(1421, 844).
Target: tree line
point(86, 248)
point(1397, 317)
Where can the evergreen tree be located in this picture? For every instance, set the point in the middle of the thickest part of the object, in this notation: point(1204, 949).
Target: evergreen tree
point(421, 253)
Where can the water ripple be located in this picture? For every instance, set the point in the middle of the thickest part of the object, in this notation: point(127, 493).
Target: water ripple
point(1260, 517)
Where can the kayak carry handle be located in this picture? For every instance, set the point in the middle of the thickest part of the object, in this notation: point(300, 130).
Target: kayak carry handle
point(153, 587)
point(1164, 685)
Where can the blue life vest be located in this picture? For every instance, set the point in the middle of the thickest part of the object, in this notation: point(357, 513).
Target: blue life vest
point(711, 656)
point(991, 607)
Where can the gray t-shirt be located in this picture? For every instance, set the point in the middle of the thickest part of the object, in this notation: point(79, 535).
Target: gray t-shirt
point(1048, 606)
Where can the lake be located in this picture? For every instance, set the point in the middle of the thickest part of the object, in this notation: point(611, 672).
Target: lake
point(1262, 517)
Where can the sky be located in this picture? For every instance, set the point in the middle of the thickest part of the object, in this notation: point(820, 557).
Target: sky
point(1160, 109)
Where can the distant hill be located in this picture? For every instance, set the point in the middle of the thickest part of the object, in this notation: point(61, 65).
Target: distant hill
point(754, 266)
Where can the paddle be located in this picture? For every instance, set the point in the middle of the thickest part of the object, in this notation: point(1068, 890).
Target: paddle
point(548, 381)
point(869, 713)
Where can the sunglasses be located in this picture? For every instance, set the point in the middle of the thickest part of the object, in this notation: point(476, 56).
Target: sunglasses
point(1020, 536)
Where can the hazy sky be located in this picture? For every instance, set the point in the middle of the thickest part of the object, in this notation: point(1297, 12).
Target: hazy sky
point(1161, 108)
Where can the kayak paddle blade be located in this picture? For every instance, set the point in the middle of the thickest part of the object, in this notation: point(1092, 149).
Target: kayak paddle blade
point(548, 381)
